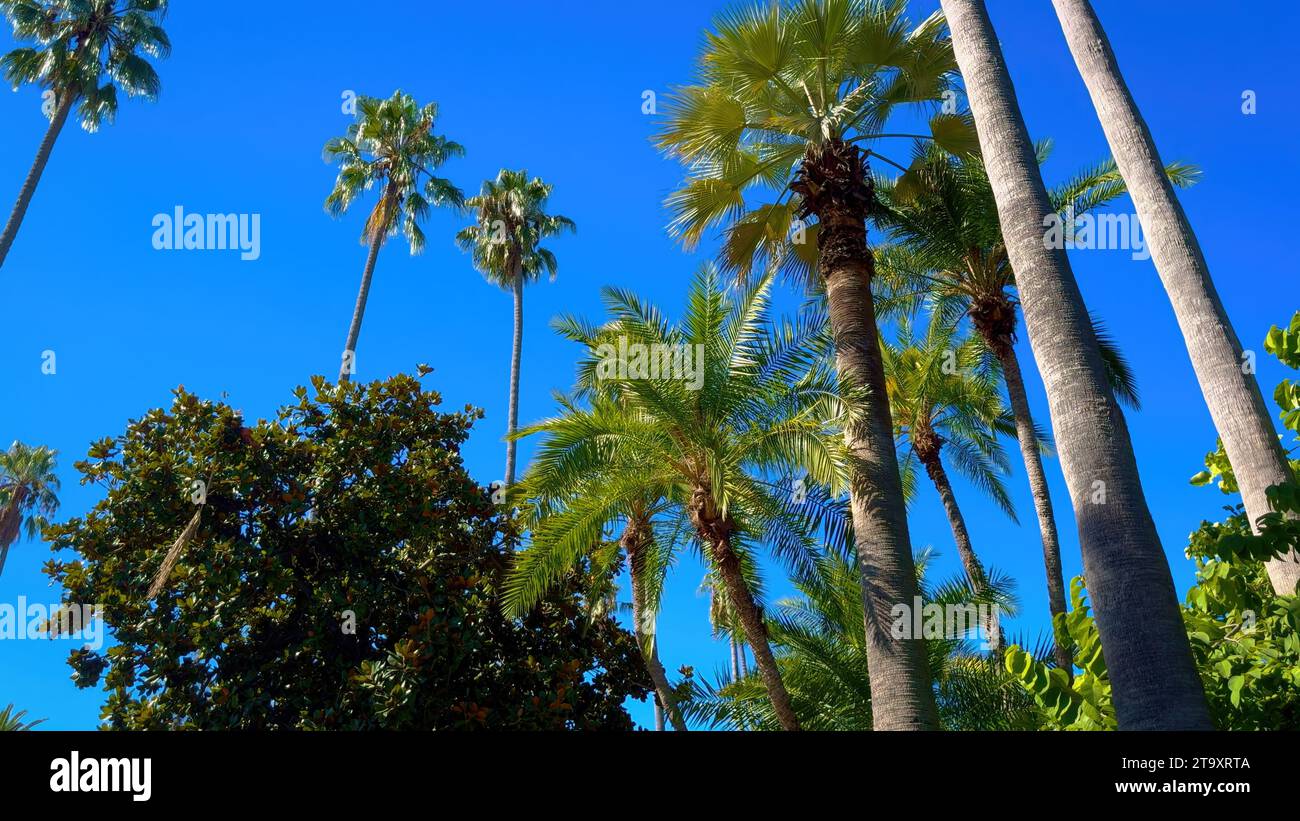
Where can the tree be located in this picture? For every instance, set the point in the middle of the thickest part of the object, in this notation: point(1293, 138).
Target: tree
point(344, 574)
point(391, 146)
point(1227, 381)
point(944, 398)
point(28, 494)
point(506, 246)
point(11, 721)
point(785, 93)
point(78, 42)
point(822, 653)
point(742, 402)
point(948, 250)
point(1133, 593)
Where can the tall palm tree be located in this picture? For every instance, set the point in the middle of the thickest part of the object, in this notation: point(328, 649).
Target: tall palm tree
point(506, 246)
point(1155, 682)
point(77, 43)
point(1229, 387)
point(390, 146)
point(948, 250)
point(707, 441)
point(944, 397)
point(772, 130)
point(28, 489)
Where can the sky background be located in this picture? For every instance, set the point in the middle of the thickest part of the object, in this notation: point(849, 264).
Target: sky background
point(253, 91)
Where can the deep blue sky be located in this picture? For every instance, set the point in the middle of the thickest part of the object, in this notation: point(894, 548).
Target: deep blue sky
point(253, 90)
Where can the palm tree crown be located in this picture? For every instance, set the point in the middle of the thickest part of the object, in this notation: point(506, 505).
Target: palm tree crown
point(28, 489)
point(392, 146)
point(511, 222)
point(78, 42)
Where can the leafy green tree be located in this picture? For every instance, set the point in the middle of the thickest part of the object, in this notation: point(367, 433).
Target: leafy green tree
point(78, 42)
point(391, 146)
point(344, 573)
point(744, 401)
point(821, 650)
point(772, 129)
point(947, 249)
point(505, 242)
point(11, 721)
point(28, 494)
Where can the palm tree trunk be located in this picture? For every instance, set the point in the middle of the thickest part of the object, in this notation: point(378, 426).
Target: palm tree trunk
point(742, 603)
point(34, 175)
point(4, 556)
point(1155, 683)
point(1231, 392)
point(834, 184)
point(659, 713)
point(735, 659)
point(512, 422)
point(979, 579)
point(744, 663)
point(634, 543)
point(354, 330)
point(1033, 458)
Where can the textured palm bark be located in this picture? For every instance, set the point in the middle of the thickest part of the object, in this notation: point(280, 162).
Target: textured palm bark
point(359, 310)
point(635, 540)
point(1033, 459)
point(1155, 683)
point(516, 356)
point(28, 189)
point(834, 185)
point(716, 532)
point(1231, 392)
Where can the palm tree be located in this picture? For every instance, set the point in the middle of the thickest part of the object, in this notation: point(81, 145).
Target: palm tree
point(948, 250)
point(506, 246)
point(11, 721)
point(28, 497)
point(785, 93)
point(391, 146)
point(822, 655)
point(944, 398)
point(1155, 682)
point(1229, 387)
point(745, 403)
point(77, 43)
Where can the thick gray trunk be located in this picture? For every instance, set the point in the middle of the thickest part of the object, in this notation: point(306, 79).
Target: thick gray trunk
point(34, 175)
point(1155, 683)
point(1033, 458)
point(516, 353)
point(901, 695)
point(1232, 394)
point(359, 311)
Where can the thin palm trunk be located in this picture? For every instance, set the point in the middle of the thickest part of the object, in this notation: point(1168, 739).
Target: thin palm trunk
point(735, 659)
point(516, 353)
point(1229, 387)
point(744, 663)
point(834, 184)
point(635, 540)
point(979, 579)
point(1033, 459)
point(742, 603)
point(358, 312)
point(1154, 680)
point(34, 175)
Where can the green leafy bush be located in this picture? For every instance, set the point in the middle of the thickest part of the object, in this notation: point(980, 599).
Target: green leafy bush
point(342, 572)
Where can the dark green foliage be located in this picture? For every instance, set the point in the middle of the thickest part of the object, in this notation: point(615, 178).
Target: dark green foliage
point(352, 502)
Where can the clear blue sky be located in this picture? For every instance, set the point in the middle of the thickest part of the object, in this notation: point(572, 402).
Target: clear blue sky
point(253, 90)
